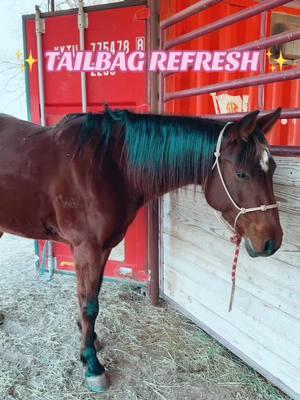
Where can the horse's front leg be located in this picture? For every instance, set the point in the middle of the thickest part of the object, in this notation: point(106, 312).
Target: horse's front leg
point(98, 345)
point(90, 262)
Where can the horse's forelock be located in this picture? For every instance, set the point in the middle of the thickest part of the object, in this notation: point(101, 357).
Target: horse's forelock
point(252, 150)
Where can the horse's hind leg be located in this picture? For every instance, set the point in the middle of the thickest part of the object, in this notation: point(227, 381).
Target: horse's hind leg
point(90, 264)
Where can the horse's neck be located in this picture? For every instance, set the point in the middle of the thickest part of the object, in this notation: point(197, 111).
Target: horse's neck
point(155, 183)
point(160, 154)
point(170, 186)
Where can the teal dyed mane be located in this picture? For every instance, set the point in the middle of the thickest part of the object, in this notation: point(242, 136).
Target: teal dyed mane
point(159, 151)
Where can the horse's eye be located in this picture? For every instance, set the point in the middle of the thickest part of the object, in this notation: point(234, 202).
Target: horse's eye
point(242, 175)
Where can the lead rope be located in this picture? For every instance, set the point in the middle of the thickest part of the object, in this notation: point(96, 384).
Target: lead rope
point(236, 238)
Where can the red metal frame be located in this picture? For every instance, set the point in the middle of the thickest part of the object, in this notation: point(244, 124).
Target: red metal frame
point(221, 23)
point(286, 113)
point(188, 12)
point(236, 84)
point(261, 44)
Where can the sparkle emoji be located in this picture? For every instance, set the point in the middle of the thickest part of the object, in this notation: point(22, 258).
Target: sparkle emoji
point(19, 54)
point(30, 61)
point(280, 60)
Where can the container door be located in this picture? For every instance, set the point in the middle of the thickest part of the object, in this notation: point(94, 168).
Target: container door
point(119, 28)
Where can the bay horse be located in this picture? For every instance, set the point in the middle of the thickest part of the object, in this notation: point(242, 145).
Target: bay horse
point(82, 181)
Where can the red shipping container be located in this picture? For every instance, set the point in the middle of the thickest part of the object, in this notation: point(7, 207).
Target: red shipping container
point(118, 27)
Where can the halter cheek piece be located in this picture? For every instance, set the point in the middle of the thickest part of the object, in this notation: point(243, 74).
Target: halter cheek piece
point(236, 238)
point(241, 210)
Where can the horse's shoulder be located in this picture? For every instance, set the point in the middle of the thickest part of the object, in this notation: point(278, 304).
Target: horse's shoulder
point(10, 125)
point(11, 119)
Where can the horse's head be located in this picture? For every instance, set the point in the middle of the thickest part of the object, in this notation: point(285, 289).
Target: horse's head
point(247, 167)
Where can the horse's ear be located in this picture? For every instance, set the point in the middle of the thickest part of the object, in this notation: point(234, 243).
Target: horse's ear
point(267, 122)
point(247, 125)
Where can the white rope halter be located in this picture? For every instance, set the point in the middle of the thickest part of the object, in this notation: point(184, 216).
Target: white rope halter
point(241, 210)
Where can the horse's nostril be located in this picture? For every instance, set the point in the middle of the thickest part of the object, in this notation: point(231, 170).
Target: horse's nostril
point(270, 247)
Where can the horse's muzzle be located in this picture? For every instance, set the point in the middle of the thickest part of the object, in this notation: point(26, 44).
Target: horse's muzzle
point(269, 249)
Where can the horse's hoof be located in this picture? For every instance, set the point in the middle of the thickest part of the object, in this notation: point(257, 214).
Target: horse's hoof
point(98, 383)
point(1, 318)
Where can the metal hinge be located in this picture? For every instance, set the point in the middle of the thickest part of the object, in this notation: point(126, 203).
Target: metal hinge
point(83, 21)
point(40, 26)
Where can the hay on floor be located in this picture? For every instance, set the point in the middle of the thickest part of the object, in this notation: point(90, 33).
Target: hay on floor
point(150, 353)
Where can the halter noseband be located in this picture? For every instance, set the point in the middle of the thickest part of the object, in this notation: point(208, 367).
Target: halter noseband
point(241, 210)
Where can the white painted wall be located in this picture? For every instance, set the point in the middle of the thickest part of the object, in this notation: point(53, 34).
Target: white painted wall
point(264, 325)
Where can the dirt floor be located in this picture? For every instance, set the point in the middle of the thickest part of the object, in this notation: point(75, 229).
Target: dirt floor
point(150, 353)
